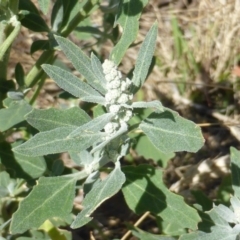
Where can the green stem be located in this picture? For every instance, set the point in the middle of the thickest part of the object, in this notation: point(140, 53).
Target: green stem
point(39, 87)
point(36, 72)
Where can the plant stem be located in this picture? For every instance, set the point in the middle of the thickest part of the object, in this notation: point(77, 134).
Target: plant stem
point(36, 72)
point(139, 221)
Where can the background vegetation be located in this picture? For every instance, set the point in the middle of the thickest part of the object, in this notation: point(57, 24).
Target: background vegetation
point(195, 71)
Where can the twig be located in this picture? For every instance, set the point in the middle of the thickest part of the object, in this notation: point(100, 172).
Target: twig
point(139, 221)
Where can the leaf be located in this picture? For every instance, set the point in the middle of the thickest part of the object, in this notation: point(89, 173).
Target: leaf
point(44, 5)
point(235, 202)
point(51, 197)
point(14, 114)
point(5, 184)
point(49, 119)
point(101, 191)
point(81, 158)
point(39, 45)
point(226, 213)
point(98, 70)
point(15, 95)
point(153, 104)
point(235, 167)
point(19, 74)
point(128, 15)
point(122, 130)
point(21, 166)
point(29, 6)
point(71, 10)
point(80, 61)
point(91, 180)
point(169, 132)
point(144, 58)
point(142, 235)
point(35, 23)
point(146, 149)
point(144, 191)
point(73, 85)
point(192, 236)
point(57, 15)
point(58, 141)
point(96, 124)
point(219, 227)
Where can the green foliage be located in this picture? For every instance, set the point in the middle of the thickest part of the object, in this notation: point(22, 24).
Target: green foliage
point(41, 203)
point(100, 191)
point(81, 62)
point(144, 191)
point(144, 58)
point(127, 17)
point(37, 190)
point(13, 114)
point(169, 132)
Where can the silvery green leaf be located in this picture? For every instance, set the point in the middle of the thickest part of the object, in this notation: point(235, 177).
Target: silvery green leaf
point(21, 166)
point(51, 197)
point(226, 213)
point(100, 192)
point(128, 15)
point(6, 183)
point(124, 148)
point(144, 58)
point(14, 114)
point(142, 235)
point(48, 119)
point(169, 132)
point(81, 158)
point(92, 179)
point(235, 202)
point(98, 70)
point(73, 85)
point(217, 227)
point(58, 141)
point(123, 129)
point(144, 190)
point(15, 95)
point(80, 61)
point(44, 5)
point(153, 104)
point(95, 125)
point(235, 167)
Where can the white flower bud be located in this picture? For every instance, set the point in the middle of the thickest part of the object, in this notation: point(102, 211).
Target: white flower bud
point(127, 116)
point(123, 98)
point(108, 77)
point(114, 108)
point(111, 127)
point(108, 66)
point(114, 84)
point(125, 84)
point(110, 98)
point(130, 96)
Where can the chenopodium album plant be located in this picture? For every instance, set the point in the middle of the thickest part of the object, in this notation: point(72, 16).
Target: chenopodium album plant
point(92, 143)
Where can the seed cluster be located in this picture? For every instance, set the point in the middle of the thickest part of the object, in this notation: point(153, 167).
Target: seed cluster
point(117, 97)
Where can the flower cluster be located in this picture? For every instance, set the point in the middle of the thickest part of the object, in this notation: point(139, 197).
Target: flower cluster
point(118, 97)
